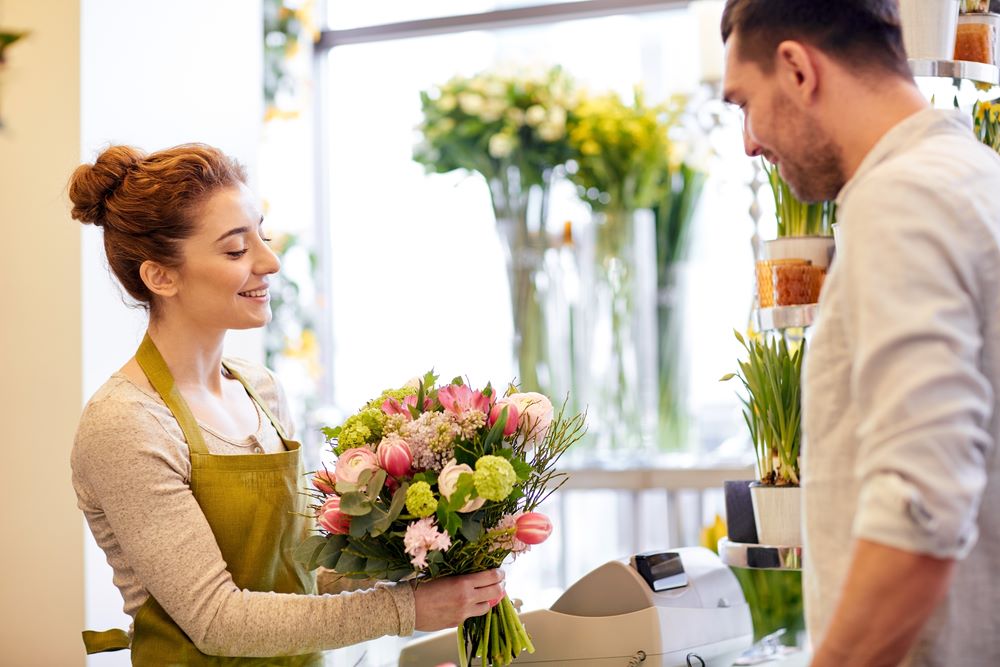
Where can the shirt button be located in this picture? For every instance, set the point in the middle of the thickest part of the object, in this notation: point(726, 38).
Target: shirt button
point(257, 449)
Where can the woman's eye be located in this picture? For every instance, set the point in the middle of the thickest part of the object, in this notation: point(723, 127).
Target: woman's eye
point(236, 254)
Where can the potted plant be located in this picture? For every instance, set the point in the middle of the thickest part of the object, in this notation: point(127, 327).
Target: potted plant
point(793, 266)
point(772, 410)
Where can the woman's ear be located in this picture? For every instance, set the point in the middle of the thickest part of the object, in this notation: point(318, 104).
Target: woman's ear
point(160, 280)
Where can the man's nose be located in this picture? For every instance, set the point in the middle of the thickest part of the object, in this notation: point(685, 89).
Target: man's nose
point(752, 148)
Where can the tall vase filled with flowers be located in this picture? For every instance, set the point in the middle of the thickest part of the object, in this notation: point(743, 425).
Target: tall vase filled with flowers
point(621, 154)
point(510, 127)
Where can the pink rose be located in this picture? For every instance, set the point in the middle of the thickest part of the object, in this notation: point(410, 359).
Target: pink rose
point(352, 462)
point(512, 415)
point(332, 519)
point(536, 414)
point(448, 481)
point(324, 481)
point(533, 528)
point(394, 456)
point(459, 399)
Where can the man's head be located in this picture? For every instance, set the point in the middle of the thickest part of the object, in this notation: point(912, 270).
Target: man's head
point(781, 59)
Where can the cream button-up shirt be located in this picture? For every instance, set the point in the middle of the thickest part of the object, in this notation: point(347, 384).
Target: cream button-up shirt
point(900, 398)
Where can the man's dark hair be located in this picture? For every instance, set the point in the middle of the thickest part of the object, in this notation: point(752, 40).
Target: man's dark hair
point(863, 34)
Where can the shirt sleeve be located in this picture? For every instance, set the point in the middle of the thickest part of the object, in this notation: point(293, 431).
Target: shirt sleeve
point(913, 316)
point(164, 536)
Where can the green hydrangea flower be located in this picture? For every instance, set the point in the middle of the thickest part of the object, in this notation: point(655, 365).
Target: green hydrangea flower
point(420, 500)
point(360, 429)
point(398, 394)
point(494, 477)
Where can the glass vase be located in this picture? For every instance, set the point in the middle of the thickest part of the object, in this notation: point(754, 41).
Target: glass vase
point(617, 389)
point(520, 211)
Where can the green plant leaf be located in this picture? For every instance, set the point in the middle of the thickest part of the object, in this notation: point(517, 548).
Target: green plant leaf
point(471, 529)
point(307, 552)
point(331, 551)
point(375, 484)
point(350, 562)
point(355, 504)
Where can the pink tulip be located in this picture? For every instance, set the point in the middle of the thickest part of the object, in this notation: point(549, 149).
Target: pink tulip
point(533, 528)
point(512, 415)
point(352, 462)
point(392, 406)
point(324, 481)
point(394, 456)
point(332, 519)
point(459, 399)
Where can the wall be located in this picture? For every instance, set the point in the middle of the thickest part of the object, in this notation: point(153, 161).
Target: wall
point(93, 72)
point(41, 609)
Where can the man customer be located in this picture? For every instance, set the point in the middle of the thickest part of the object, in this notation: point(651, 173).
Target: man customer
point(901, 385)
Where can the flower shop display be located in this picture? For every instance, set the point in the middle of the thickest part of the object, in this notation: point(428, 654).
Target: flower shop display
point(771, 377)
point(510, 127)
point(435, 480)
point(976, 38)
point(621, 164)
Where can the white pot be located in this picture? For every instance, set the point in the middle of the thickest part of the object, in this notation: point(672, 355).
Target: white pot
point(817, 249)
point(929, 28)
point(777, 513)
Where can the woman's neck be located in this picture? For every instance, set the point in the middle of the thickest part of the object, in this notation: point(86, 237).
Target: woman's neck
point(193, 357)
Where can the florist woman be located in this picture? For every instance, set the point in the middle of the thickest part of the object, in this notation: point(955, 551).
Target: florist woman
point(184, 464)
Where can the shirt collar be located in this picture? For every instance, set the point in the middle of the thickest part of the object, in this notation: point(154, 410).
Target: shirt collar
point(926, 121)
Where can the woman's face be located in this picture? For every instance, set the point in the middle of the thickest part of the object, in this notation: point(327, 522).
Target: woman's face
point(222, 283)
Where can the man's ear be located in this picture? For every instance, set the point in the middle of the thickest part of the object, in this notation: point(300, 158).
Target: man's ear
point(160, 280)
point(796, 71)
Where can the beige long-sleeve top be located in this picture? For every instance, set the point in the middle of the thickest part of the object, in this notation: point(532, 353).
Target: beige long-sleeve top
point(131, 472)
point(901, 401)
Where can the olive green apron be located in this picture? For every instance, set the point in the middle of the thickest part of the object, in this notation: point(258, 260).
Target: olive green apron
point(253, 505)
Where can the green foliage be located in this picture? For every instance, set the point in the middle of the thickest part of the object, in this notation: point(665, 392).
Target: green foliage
point(795, 217)
point(771, 376)
point(986, 123)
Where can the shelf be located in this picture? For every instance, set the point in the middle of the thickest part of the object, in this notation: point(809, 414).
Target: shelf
point(785, 317)
point(956, 69)
point(760, 556)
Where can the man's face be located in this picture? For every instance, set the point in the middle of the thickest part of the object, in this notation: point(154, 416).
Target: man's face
point(778, 128)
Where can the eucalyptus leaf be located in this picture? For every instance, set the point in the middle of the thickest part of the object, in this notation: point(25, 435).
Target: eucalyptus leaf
point(355, 504)
point(331, 551)
point(349, 562)
point(375, 484)
point(310, 548)
point(471, 528)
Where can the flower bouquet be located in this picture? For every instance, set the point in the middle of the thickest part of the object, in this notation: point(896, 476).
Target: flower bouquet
point(432, 481)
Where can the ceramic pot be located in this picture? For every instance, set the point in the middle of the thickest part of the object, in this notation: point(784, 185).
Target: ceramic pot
point(929, 28)
point(777, 513)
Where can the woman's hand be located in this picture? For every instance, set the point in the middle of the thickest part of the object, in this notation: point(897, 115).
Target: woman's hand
point(444, 603)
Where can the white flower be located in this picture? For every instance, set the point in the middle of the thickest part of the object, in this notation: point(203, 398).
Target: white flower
point(470, 103)
point(448, 480)
point(536, 414)
point(446, 103)
point(492, 110)
point(550, 132)
point(534, 115)
point(501, 145)
point(515, 116)
point(557, 116)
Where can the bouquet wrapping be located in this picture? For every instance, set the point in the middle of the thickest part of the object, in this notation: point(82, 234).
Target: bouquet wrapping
point(432, 481)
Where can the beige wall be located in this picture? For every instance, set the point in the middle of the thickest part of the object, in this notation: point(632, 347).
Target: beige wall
point(152, 74)
point(41, 607)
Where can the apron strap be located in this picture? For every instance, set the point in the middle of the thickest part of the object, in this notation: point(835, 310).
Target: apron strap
point(256, 397)
point(159, 376)
point(102, 642)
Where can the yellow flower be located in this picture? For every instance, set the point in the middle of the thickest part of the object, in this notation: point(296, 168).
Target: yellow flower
point(711, 534)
